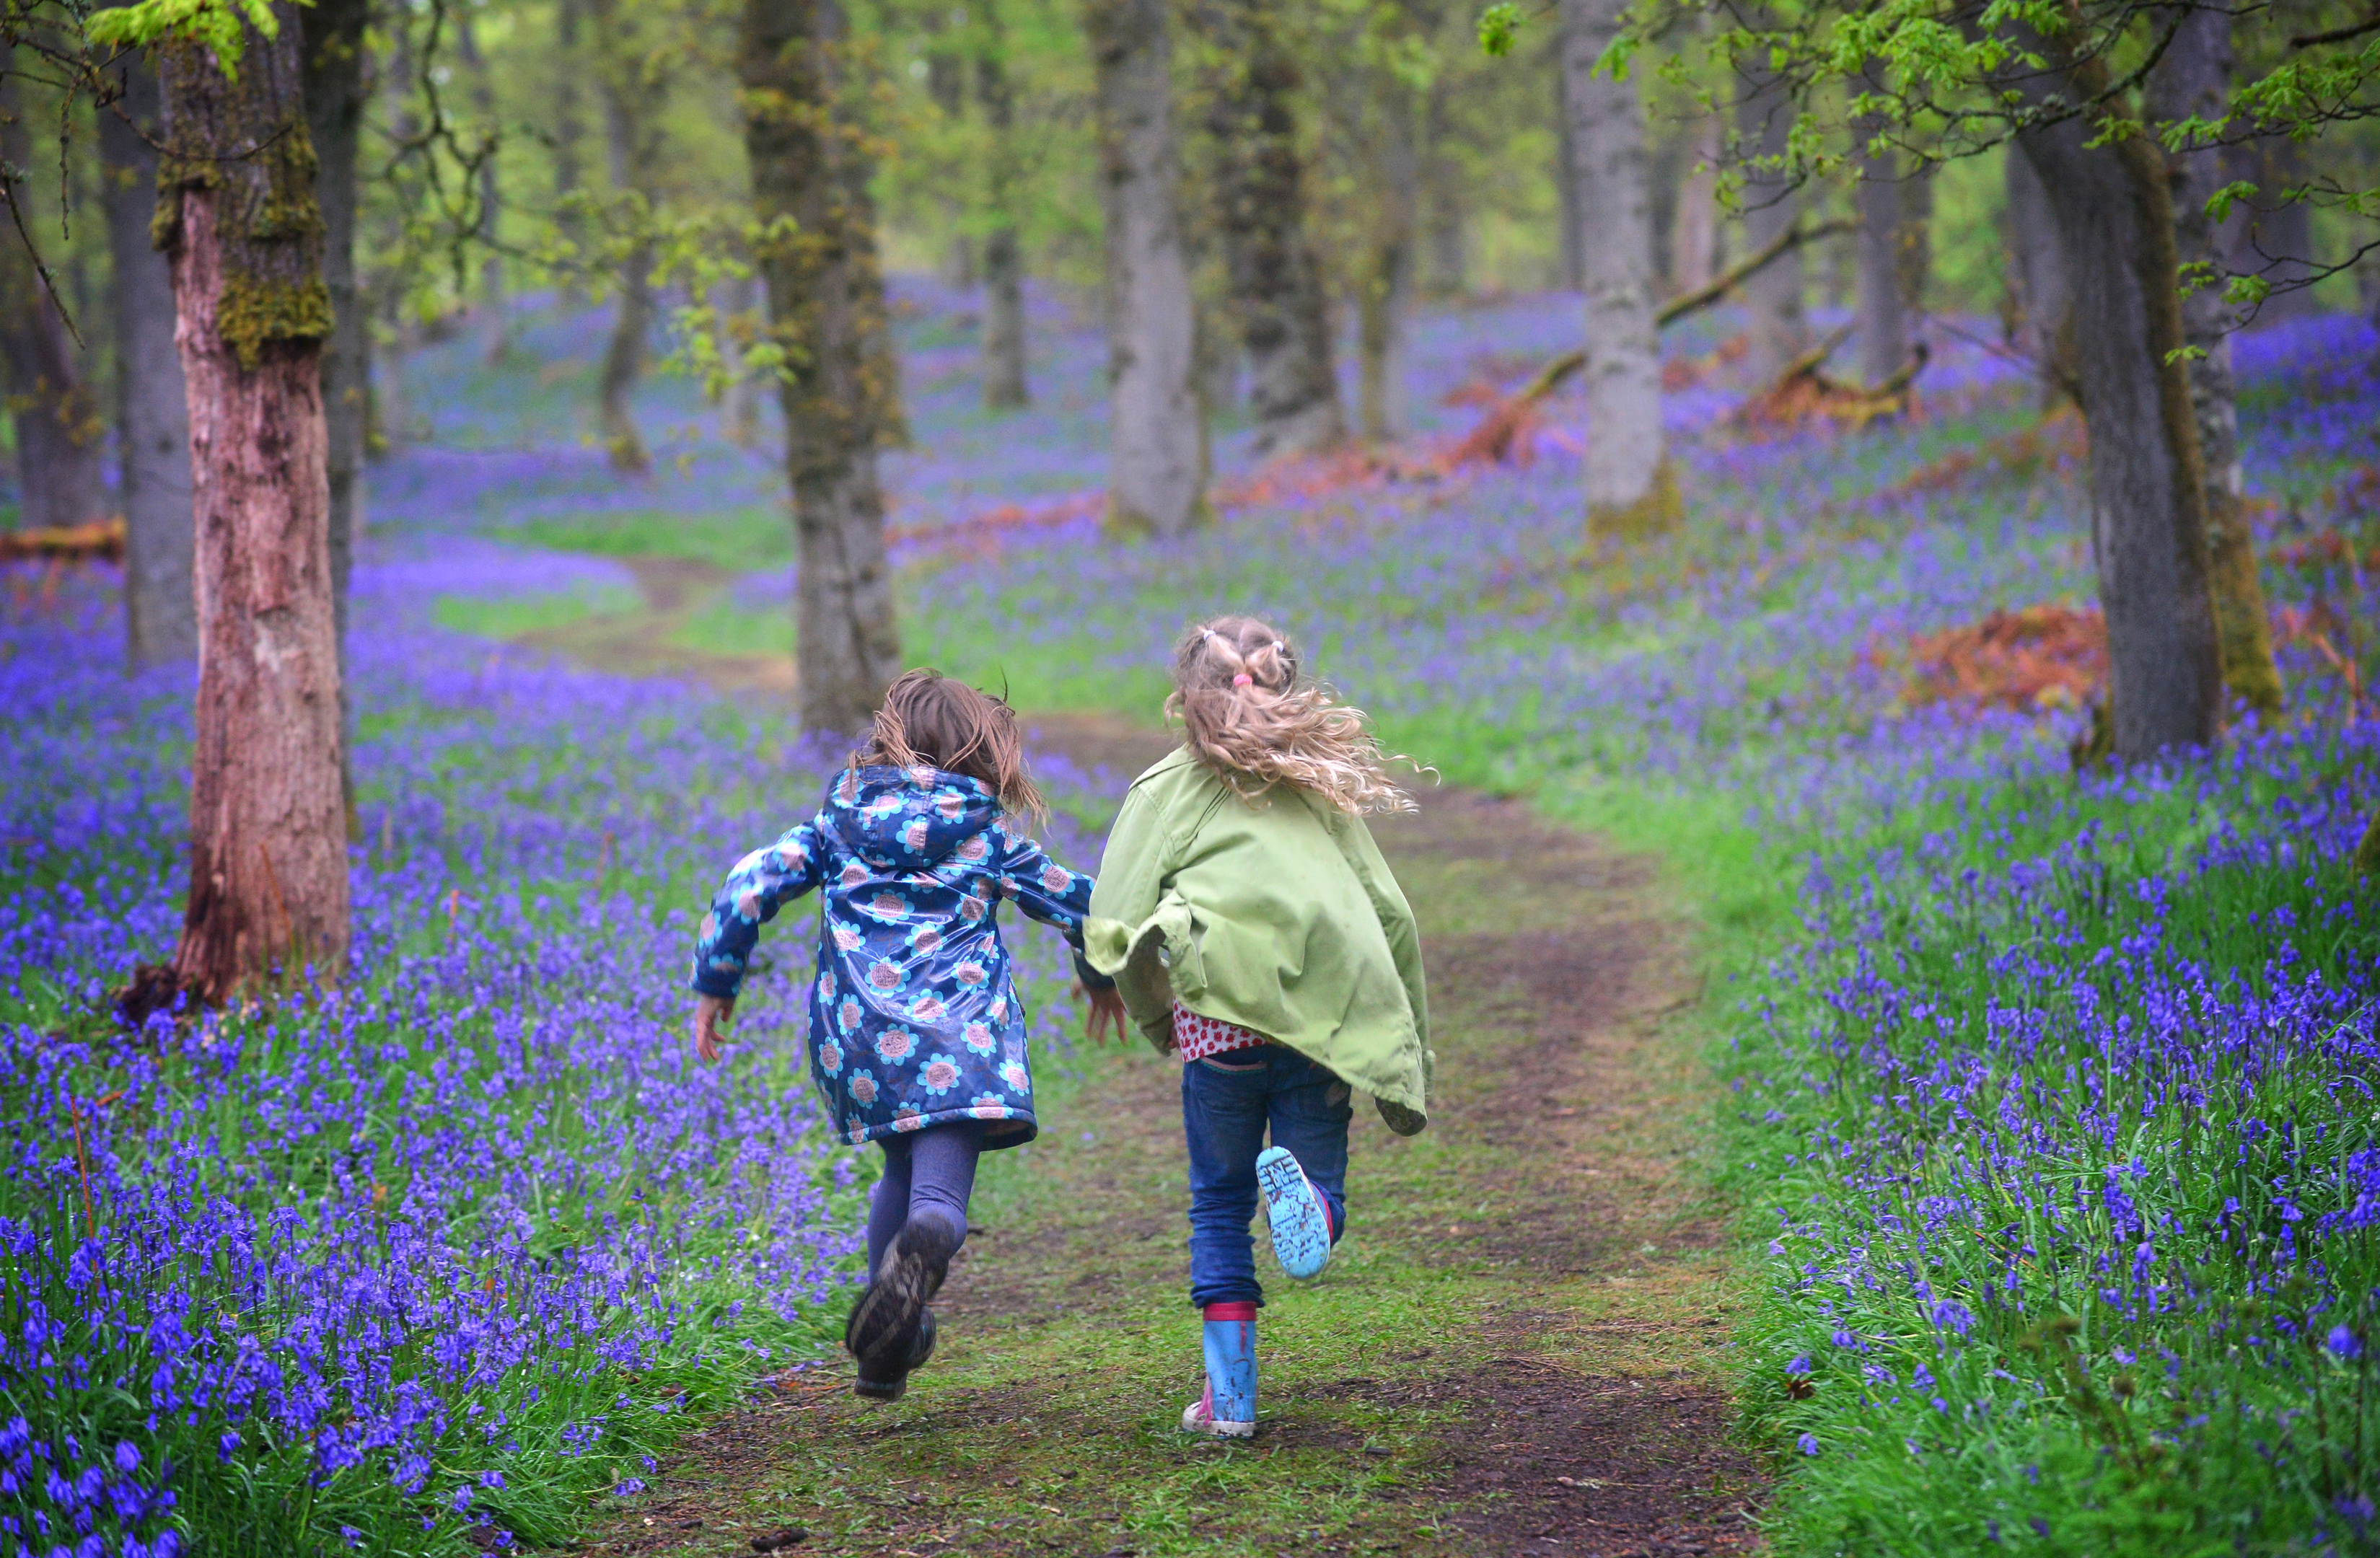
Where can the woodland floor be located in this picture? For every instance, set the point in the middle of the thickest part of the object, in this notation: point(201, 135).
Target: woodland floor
point(1516, 1349)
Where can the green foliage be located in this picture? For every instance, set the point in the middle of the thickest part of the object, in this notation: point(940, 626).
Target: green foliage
point(219, 26)
point(1499, 25)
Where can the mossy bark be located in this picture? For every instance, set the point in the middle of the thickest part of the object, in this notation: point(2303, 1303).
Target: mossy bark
point(2193, 75)
point(237, 220)
point(2367, 852)
point(840, 392)
point(1661, 510)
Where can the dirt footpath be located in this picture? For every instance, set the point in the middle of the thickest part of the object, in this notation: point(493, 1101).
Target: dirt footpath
point(1518, 1349)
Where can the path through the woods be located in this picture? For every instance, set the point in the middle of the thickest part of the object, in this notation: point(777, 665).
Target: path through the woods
point(1518, 1349)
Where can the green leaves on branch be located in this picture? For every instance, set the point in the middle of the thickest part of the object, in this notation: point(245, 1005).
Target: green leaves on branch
point(1500, 28)
point(1499, 25)
point(719, 348)
point(218, 26)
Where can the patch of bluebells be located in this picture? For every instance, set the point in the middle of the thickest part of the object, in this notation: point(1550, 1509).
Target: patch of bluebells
point(414, 1257)
point(2063, 1113)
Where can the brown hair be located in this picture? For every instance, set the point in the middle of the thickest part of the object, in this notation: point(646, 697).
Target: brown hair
point(930, 721)
point(1250, 716)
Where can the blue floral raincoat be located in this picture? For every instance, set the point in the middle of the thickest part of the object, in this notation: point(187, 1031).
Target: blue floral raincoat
point(913, 1020)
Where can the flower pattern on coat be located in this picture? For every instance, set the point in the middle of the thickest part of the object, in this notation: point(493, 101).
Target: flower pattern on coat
point(913, 1020)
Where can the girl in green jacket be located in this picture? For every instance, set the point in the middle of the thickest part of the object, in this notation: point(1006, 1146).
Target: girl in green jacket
point(1255, 932)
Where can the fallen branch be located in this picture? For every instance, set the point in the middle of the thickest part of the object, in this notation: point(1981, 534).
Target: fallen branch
point(101, 540)
point(1804, 390)
point(1751, 265)
point(1491, 441)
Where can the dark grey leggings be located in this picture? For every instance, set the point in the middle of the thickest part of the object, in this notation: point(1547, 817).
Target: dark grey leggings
point(930, 1173)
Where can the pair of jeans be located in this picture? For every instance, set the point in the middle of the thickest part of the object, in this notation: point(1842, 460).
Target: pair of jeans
point(929, 1172)
point(1228, 1101)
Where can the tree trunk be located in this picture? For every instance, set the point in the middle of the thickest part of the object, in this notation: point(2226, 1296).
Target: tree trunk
point(623, 363)
point(739, 412)
point(153, 419)
point(1573, 221)
point(2194, 77)
point(60, 430)
point(334, 64)
point(1003, 249)
point(2266, 236)
point(628, 141)
point(2038, 300)
point(1449, 258)
point(569, 176)
point(1384, 325)
point(826, 305)
point(1693, 251)
point(1285, 315)
point(1631, 489)
point(2148, 531)
point(243, 232)
point(1384, 301)
point(1883, 316)
point(1156, 465)
point(492, 266)
point(1763, 119)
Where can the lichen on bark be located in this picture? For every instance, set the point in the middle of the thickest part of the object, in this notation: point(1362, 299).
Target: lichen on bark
point(254, 312)
point(247, 140)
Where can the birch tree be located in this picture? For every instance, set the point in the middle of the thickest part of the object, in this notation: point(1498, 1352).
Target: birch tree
point(1631, 488)
point(1156, 465)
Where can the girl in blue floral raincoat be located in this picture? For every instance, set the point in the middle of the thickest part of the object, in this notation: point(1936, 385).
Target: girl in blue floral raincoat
point(917, 1037)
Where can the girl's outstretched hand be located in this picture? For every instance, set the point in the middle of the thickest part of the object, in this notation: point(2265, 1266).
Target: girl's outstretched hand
point(709, 1011)
point(1107, 1021)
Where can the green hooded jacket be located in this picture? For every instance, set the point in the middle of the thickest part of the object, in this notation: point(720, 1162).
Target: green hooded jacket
point(1279, 915)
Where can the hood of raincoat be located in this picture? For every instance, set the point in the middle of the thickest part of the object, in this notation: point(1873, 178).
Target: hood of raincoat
point(901, 820)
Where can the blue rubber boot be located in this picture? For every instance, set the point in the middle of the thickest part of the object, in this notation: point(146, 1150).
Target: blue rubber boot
point(1229, 1407)
point(1301, 1224)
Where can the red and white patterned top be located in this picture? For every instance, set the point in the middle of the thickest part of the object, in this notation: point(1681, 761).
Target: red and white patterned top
point(1199, 1038)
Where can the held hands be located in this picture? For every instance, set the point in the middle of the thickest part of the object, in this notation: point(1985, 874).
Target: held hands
point(1107, 1018)
point(709, 1011)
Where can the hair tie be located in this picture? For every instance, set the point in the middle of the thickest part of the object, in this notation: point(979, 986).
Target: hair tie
point(1244, 680)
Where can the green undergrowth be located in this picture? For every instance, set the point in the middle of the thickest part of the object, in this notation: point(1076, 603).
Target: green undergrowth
point(516, 616)
point(2050, 1121)
point(739, 539)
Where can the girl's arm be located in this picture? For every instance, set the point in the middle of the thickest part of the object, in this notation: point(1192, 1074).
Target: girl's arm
point(1396, 920)
point(762, 882)
point(1134, 872)
point(1044, 889)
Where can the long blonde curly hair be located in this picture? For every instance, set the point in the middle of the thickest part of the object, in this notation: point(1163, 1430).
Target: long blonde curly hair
point(1251, 718)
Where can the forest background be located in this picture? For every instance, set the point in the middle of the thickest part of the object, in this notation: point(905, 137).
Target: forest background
point(1770, 437)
